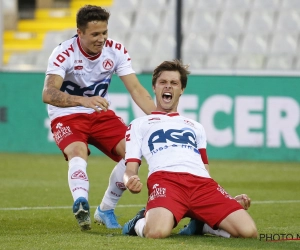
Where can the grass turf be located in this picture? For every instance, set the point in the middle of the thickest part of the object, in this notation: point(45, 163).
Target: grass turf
point(35, 208)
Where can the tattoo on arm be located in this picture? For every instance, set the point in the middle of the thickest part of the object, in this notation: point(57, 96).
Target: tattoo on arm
point(58, 98)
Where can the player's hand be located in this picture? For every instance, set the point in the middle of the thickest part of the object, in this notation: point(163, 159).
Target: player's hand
point(244, 200)
point(95, 102)
point(134, 184)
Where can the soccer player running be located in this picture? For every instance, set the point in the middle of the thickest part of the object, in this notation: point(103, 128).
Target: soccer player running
point(76, 86)
point(179, 184)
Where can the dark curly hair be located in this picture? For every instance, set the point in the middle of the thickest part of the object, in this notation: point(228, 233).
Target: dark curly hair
point(90, 13)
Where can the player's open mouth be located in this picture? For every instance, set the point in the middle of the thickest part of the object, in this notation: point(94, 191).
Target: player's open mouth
point(167, 96)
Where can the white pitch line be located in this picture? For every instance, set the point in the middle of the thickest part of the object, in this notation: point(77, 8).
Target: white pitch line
point(131, 205)
point(272, 202)
point(58, 207)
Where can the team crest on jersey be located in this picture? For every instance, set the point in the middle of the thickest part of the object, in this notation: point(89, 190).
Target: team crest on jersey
point(108, 64)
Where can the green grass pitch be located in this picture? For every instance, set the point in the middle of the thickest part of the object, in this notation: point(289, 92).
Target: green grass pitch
point(35, 207)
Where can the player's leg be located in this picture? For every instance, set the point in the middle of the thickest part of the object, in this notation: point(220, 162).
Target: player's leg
point(111, 142)
point(159, 223)
point(79, 182)
point(165, 208)
point(219, 210)
point(70, 137)
point(104, 213)
point(239, 224)
point(198, 227)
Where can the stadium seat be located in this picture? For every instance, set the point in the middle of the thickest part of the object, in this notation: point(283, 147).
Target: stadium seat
point(214, 5)
point(288, 22)
point(280, 62)
point(124, 5)
point(291, 4)
point(120, 22)
point(238, 4)
point(140, 49)
point(27, 57)
point(269, 5)
point(220, 61)
point(253, 43)
point(147, 22)
point(261, 22)
point(250, 61)
point(187, 5)
point(195, 44)
point(195, 62)
point(286, 44)
point(76, 4)
point(164, 49)
point(41, 61)
point(156, 60)
point(119, 26)
point(153, 5)
point(225, 44)
point(204, 22)
point(232, 22)
point(297, 64)
point(53, 39)
point(168, 24)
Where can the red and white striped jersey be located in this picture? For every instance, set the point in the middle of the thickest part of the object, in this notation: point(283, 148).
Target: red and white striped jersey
point(86, 75)
point(168, 142)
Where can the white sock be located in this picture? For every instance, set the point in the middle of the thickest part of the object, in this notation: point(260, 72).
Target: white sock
point(139, 227)
point(217, 232)
point(115, 187)
point(77, 178)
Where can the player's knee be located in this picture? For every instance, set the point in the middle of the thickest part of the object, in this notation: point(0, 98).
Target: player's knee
point(248, 231)
point(156, 233)
point(77, 149)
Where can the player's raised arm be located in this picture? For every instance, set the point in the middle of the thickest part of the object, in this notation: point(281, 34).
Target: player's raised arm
point(131, 178)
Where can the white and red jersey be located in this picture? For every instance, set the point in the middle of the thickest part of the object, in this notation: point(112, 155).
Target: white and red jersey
point(168, 142)
point(86, 75)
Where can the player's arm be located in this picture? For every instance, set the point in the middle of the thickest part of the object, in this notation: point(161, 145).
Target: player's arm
point(138, 93)
point(204, 158)
point(131, 178)
point(52, 95)
point(207, 167)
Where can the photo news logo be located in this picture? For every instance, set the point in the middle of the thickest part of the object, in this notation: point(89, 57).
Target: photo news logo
point(279, 237)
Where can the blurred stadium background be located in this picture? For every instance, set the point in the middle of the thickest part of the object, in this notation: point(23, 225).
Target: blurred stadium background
point(243, 55)
point(259, 35)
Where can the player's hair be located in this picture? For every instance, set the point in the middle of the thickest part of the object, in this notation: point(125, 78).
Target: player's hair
point(90, 13)
point(175, 65)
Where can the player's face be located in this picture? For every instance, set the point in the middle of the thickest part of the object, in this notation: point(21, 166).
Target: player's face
point(93, 38)
point(167, 90)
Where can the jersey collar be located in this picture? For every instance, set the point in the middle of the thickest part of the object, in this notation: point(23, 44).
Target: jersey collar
point(86, 54)
point(164, 113)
